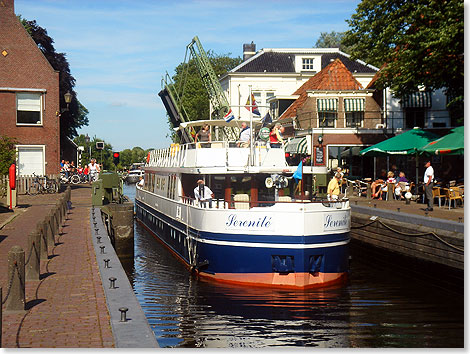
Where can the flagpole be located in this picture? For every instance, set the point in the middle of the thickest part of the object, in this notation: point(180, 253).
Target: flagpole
point(251, 129)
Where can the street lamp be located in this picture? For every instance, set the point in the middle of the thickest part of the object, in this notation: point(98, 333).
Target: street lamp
point(68, 99)
point(320, 139)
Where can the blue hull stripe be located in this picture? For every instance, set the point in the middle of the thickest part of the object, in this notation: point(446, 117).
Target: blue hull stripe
point(246, 257)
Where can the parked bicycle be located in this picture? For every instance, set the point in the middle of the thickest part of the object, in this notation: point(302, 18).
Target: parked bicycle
point(42, 184)
point(79, 178)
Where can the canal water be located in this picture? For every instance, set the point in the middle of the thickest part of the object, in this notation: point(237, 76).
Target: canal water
point(379, 307)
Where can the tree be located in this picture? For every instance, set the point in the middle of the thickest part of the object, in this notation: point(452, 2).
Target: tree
point(417, 43)
point(188, 82)
point(76, 116)
point(7, 153)
point(105, 156)
point(332, 40)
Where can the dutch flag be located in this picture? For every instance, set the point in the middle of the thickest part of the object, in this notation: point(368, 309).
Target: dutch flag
point(229, 116)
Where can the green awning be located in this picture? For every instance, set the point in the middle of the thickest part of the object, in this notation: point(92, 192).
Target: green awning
point(298, 146)
point(327, 104)
point(406, 143)
point(420, 99)
point(354, 104)
point(450, 144)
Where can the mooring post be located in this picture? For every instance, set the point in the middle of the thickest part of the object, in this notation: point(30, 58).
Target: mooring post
point(50, 231)
point(15, 294)
point(390, 190)
point(42, 230)
point(369, 191)
point(123, 226)
point(32, 261)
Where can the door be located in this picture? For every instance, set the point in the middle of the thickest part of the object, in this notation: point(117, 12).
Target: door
point(31, 159)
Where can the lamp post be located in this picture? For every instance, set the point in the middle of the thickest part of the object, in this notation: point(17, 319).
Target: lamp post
point(87, 140)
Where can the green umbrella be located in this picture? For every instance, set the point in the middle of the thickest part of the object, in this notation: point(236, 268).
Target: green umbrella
point(450, 144)
point(406, 143)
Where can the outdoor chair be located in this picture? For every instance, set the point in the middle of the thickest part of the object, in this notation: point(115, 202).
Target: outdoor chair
point(436, 193)
point(453, 194)
point(241, 201)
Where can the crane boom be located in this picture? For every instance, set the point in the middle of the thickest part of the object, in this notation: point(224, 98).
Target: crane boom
point(217, 97)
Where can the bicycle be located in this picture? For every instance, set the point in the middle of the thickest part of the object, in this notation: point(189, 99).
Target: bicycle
point(41, 184)
point(78, 178)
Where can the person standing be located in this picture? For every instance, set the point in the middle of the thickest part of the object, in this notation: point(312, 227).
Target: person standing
point(275, 137)
point(93, 170)
point(244, 140)
point(204, 136)
point(428, 185)
point(333, 187)
point(203, 194)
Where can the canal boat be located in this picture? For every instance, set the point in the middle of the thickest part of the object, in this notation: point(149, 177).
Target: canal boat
point(255, 232)
point(134, 174)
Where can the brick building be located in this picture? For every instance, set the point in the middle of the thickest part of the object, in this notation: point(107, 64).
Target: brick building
point(29, 97)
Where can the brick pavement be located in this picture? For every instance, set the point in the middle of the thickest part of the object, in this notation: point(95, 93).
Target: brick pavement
point(66, 308)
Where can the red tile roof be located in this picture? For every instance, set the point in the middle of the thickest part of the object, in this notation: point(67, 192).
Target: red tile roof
point(334, 77)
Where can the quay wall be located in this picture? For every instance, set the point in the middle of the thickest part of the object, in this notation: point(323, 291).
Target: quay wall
point(418, 243)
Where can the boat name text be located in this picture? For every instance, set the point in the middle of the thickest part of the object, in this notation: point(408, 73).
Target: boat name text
point(248, 222)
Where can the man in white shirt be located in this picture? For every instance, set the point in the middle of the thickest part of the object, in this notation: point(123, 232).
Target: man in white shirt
point(203, 194)
point(244, 136)
point(428, 185)
point(93, 169)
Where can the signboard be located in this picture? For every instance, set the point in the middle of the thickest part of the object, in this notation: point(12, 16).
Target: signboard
point(319, 155)
point(99, 145)
point(336, 221)
point(264, 134)
point(249, 222)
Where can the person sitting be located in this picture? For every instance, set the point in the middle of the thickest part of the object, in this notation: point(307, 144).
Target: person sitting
point(204, 136)
point(244, 140)
point(203, 194)
point(275, 137)
point(402, 185)
point(390, 180)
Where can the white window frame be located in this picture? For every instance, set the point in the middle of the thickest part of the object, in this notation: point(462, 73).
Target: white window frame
point(308, 64)
point(39, 104)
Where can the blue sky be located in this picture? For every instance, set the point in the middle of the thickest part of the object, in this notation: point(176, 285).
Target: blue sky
point(118, 50)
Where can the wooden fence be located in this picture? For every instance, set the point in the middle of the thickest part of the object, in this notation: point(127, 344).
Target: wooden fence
point(22, 183)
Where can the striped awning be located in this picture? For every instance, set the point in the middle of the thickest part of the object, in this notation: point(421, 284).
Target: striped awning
point(327, 104)
point(298, 145)
point(420, 99)
point(354, 104)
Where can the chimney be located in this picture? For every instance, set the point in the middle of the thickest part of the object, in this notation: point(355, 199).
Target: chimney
point(248, 50)
point(8, 5)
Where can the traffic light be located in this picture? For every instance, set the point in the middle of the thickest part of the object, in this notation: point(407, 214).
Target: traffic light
point(115, 158)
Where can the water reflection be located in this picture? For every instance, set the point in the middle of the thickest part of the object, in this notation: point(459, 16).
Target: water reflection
point(377, 308)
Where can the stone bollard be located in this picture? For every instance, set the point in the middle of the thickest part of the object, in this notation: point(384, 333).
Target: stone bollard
point(42, 230)
point(55, 223)
point(390, 190)
point(15, 293)
point(369, 191)
point(50, 231)
point(32, 261)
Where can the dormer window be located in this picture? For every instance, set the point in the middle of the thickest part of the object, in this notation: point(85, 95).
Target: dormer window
point(307, 63)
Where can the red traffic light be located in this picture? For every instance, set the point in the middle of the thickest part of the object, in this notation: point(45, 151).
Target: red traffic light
point(116, 154)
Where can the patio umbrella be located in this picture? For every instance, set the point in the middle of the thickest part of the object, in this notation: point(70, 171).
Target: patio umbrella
point(407, 143)
point(450, 144)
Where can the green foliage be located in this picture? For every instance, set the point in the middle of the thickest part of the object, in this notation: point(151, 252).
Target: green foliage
point(7, 153)
point(417, 43)
point(76, 116)
point(332, 40)
point(189, 85)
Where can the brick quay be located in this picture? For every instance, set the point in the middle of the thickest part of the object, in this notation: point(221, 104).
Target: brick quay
point(66, 306)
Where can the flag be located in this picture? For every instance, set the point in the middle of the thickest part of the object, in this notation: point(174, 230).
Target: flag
point(229, 116)
point(254, 107)
point(298, 172)
point(266, 120)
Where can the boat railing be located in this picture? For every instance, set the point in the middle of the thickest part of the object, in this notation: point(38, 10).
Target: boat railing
point(248, 204)
point(214, 154)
